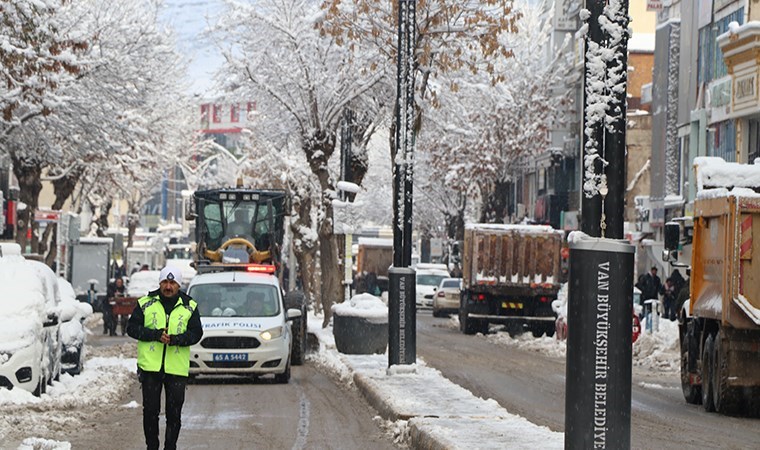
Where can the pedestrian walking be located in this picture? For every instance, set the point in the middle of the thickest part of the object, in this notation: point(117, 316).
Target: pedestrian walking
point(166, 322)
point(650, 286)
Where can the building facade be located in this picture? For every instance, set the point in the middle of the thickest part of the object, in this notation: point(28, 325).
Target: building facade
point(548, 188)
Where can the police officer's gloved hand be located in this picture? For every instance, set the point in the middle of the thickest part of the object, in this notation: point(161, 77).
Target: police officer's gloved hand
point(157, 335)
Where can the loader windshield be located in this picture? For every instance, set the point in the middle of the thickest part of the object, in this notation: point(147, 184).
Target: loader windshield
point(256, 216)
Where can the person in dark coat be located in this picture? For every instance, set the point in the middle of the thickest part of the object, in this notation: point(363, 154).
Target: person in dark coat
point(115, 289)
point(165, 322)
point(650, 286)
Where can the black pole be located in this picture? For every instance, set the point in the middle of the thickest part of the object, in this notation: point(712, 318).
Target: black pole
point(410, 117)
point(593, 133)
point(600, 297)
point(398, 150)
point(615, 151)
point(598, 361)
point(401, 301)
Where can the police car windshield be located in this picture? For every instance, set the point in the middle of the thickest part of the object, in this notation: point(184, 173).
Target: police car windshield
point(236, 300)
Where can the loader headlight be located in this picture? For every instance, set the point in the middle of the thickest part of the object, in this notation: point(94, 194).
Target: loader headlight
point(272, 333)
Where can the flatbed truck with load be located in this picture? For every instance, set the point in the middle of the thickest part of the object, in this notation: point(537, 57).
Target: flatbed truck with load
point(241, 229)
point(720, 322)
point(510, 275)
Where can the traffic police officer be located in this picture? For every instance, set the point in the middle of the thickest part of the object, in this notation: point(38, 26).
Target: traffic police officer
point(165, 323)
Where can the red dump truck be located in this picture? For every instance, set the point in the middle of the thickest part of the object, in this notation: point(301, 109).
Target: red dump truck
point(510, 275)
point(720, 322)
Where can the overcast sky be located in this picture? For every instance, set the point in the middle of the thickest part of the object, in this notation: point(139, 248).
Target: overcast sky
point(189, 19)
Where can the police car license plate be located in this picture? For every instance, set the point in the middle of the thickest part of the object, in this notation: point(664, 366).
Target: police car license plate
point(230, 356)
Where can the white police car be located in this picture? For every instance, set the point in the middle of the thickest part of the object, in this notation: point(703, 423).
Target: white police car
point(246, 329)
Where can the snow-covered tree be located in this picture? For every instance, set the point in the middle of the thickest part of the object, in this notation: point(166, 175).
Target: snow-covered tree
point(303, 82)
point(451, 35)
point(39, 53)
point(490, 128)
point(120, 121)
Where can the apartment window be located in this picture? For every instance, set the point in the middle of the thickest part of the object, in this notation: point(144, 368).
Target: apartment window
point(217, 114)
point(711, 64)
point(723, 142)
point(234, 113)
point(753, 149)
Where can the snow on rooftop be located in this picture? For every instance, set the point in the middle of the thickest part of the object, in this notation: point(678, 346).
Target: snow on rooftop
point(641, 43)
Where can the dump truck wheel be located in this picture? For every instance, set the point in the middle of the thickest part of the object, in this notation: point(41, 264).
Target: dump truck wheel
point(692, 393)
point(727, 400)
point(708, 366)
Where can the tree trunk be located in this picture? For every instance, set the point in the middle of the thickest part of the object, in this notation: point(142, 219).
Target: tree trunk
point(495, 207)
point(307, 269)
point(30, 185)
point(132, 222)
point(303, 249)
point(318, 148)
point(63, 188)
point(455, 225)
point(102, 219)
point(328, 261)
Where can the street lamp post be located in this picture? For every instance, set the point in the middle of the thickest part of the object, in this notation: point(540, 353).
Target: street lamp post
point(401, 296)
point(600, 292)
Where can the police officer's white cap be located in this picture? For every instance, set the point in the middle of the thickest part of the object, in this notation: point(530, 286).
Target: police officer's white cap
point(171, 273)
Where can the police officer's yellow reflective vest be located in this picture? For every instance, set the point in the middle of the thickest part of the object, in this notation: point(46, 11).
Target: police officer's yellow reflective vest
point(176, 359)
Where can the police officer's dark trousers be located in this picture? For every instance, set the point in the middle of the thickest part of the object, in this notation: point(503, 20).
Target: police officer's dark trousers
point(174, 386)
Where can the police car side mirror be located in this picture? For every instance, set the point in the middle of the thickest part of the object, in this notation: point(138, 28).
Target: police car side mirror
point(293, 313)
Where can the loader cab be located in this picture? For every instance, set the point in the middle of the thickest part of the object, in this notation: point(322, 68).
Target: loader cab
point(239, 225)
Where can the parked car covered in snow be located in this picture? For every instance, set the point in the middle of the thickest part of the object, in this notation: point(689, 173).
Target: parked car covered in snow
point(73, 334)
point(30, 349)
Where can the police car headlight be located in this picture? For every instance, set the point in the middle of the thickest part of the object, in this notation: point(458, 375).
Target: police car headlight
point(5, 356)
point(271, 333)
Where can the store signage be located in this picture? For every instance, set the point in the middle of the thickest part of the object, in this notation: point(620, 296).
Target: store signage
point(654, 5)
point(744, 88)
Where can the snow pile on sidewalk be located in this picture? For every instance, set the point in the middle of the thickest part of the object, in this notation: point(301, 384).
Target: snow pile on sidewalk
point(656, 351)
point(72, 402)
point(423, 406)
